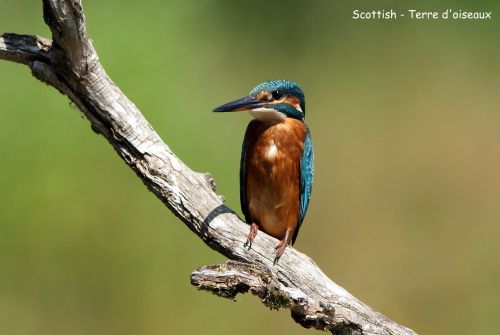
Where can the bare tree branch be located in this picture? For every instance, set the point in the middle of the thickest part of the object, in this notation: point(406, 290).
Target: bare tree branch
point(70, 64)
point(24, 48)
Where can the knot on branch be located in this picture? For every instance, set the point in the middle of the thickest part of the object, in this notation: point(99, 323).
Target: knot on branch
point(231, 278)
point(209, 180)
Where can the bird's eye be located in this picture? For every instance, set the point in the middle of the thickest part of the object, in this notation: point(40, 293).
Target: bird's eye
point(277, 95)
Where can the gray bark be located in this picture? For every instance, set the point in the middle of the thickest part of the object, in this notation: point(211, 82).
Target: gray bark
point(70, 64)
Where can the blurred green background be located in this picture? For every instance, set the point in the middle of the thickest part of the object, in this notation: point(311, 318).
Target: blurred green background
point(405, 212)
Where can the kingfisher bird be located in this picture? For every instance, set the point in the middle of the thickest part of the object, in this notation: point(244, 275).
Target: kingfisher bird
point(277, 161)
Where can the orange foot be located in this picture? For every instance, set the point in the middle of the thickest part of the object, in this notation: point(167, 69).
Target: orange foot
point(251, 235)
point(280, 248)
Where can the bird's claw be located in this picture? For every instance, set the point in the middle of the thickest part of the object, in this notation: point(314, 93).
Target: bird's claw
point(251, 235)
point(248, 244)
point(276, 259)
point(281, 246)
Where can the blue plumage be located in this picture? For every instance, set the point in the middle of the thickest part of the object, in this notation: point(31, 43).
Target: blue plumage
point(306, 180)
point(282, 86)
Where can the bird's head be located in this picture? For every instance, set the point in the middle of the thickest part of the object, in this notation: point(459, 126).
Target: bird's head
point(271, 101)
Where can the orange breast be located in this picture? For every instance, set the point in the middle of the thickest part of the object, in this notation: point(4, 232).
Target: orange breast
point(273, 174)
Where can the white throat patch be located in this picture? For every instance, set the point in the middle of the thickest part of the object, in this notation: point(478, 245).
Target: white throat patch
point(267, 114)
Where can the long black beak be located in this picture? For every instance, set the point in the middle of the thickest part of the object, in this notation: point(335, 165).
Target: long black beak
point(242, 104)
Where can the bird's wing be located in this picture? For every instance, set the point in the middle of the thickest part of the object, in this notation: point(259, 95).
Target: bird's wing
point(243, 181)
point(306, 180)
